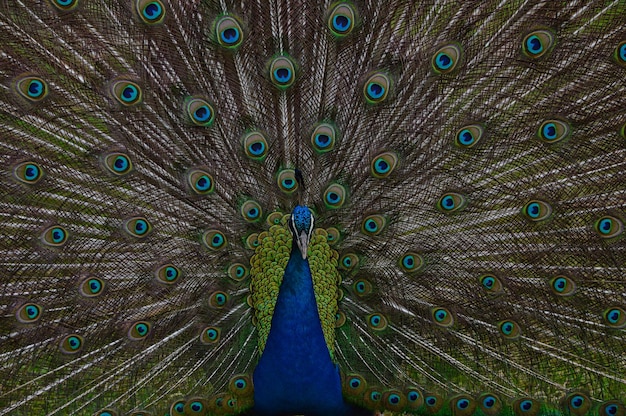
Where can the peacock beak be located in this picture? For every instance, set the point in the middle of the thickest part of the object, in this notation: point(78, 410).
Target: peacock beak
point(303, 243)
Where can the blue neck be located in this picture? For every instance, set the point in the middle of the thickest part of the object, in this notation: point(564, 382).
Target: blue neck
point(295, 374)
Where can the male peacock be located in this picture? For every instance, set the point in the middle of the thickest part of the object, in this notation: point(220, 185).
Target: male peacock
point(290, 207)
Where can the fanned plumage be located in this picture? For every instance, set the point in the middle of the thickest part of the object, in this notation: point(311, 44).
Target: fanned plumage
point(464, 160)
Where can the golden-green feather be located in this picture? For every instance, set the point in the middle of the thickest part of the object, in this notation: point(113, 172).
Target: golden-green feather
point(464, 163)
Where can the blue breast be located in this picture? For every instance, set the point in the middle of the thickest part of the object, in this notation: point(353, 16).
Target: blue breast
point(295, 374)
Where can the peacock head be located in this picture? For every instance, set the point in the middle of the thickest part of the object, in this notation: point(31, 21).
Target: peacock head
point(301, 225)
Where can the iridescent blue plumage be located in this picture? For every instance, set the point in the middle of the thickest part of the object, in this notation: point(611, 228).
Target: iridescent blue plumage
point(295, 374)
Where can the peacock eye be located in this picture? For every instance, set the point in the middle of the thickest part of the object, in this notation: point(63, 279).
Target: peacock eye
point(526, 406)
point(373, 224)
point(446, 59)
point(139, 330)
point(282, 72)
point(451, 202)
point(468, 136)
point(71, 344)
point(615, 317)
point(196, 406)
point(491, 284)
point(341, 20)
point(138, 227)
point(376, 88)
point(609, 227)
point(200, 182)
point(611, 408)
point(348, 261)
point(414, 398)
point(553, 131)
point(241, 386)
point(536, 210)
point(362, 287)
point(54, 236)
point(332, 236)
point(255, 146)
point(375, 395)
point(286, 181)
point(167, 274)
point(28, 172)
point(91, 287)
point(509, 329)
point(383, 165)
point(237, 272)
point(210, 335)
point(377, 322)
point(252, 241)
point(323, 138)
point(355, 383)
point(117, 163)
point(251, 211)
point(432, 401)
point(411, 262)
point(464, 405)
point(64, 5)
point(442, 317)
point(536, 44)
point(228, 32)
point(562, 286)
point(218, 299)
point(199, 111)
point(334, 196)
point(214, 239)
point(126, 92)
point(490, 404)
point(28, 313)
point(577, 403)
point(178, 408)
point(32, 88)
point(394, 400)
point(151, 12)
point(340, 319)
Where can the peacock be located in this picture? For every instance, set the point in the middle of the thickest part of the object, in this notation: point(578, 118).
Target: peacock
point(289, 207)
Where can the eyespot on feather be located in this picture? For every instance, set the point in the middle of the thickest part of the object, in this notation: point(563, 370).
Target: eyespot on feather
point(54, 236)
point(137, 227)
point(199, 112)
point(71, 344)
point(151, 12)
point(29, 313)
point(64, 5)
point(376, 88)
point(28, 172)
point(139, 330)
point(446, 59)
point(228, 32)
point(537, 43)
point(282, 72)
point(341, 19)
point(553, 131)
point(255, 145)
point(214, 240)
point(117, 163)
point(32, 88)
point(384, 164)
point(126, 92)
point(210, 335)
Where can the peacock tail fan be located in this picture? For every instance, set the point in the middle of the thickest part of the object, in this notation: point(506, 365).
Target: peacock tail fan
point(463, 164)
